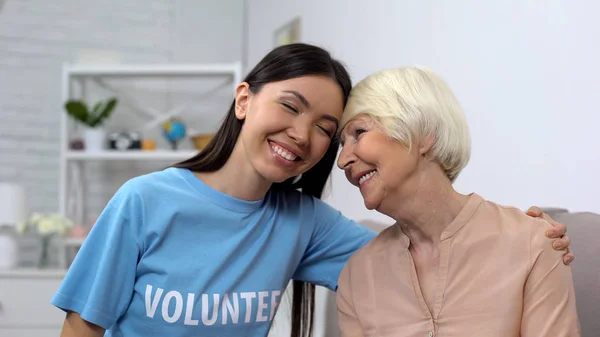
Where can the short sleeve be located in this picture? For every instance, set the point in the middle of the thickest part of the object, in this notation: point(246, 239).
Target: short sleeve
point(334, 239)
point(348, 323)
point(549, 307)
point(99, 284)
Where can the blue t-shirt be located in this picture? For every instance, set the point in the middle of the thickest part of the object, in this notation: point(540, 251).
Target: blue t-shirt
point(170, 256)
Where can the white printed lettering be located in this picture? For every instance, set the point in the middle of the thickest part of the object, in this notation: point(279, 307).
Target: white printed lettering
point(205, 306)
point(223, 308)
point(151, 308)
point(261, 306)
point(234, 310)
point(274, 303)
point(248, 296)
point(178, 306)
point(189, 310)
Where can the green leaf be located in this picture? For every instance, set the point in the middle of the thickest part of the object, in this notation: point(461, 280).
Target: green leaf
point(104, 114)
point(78, 110)
point(97, 107)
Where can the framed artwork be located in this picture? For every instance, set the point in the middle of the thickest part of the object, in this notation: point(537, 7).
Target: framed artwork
point(288, 33)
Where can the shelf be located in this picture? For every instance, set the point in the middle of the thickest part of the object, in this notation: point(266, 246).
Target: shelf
point(131, 155)
point(73, 241)
point(28, 273)
point(150, 70)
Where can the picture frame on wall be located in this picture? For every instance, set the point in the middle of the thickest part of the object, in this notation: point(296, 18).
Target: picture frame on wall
point(288, 33)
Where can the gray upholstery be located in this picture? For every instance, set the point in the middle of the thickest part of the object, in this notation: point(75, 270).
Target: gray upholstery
point(584, 231)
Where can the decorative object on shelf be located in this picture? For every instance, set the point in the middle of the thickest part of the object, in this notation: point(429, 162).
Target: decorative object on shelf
point(288, 33)
point(201, 140)
point(78, 231)
point(46, 232)
point(125, 141)
point(12, 212)
point(94, 119)
point(76, 144)
point(174, 131)
point(148, 144)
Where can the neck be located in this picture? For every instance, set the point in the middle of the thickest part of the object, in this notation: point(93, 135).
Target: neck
point(237, 178)
point(427, 205)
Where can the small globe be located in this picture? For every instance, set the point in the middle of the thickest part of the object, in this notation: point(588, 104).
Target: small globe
point(174, 131)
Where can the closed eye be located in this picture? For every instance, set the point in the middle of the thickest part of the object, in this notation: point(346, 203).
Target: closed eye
point(328, 132)
point(290, 107)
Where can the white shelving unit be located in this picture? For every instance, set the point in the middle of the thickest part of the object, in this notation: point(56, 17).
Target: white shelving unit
point(129, 155)
point(71, 161)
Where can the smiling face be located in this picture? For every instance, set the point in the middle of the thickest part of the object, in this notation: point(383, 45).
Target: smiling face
point(288, 125)
point(377, 164)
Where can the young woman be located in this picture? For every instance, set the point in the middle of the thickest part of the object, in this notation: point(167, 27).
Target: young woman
point(207, 247)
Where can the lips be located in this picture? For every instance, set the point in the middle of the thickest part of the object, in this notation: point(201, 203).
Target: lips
point(366, 177)
point(284, 151)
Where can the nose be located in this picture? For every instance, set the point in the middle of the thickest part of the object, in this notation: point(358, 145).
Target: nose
point(346, 157)
point(300, 133)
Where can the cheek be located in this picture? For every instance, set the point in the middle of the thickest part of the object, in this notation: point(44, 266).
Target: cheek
point(319, 145)
point(368, 154)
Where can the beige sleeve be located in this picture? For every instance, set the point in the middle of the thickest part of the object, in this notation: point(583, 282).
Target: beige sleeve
point(348, 322)
point(549, 297)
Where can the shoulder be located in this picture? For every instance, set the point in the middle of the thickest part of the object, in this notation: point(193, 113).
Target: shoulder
point(295, 203)
point(372, 251)
point(293, 198)
point(358, 272)
point(155, 180)
point(143, 191)
point(152, 184)
point(511, 220)
point(540, 243)
point(507, 218)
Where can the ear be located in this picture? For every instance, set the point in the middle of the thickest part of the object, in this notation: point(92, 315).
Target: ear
point(242, 97)
point(426, 146)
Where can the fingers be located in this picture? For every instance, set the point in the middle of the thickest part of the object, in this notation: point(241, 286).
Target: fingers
point(538, 213)
point(568, 257)
point(561, 243)
point(534, 211)
point(558, 230)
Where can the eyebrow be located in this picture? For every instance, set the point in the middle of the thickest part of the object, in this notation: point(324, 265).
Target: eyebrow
point(331, 119)
point(299, 96)
point(307, 104)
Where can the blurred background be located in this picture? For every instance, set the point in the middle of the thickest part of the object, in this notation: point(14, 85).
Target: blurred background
point(155, 78)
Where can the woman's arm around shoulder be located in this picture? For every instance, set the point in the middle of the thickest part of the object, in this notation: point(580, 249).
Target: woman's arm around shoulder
point(99, 284)
point(549, 307)
point(333, 240)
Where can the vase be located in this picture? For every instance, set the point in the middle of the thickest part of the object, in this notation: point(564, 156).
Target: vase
point(50, 248)
point(94, 139)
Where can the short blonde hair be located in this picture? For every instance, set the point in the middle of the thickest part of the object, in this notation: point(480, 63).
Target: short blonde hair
point(411, 105)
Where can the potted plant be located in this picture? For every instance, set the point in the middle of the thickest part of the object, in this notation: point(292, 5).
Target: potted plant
point(94, 136)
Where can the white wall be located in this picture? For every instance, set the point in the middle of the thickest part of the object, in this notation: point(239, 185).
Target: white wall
point(36, 36)
point(526, 73)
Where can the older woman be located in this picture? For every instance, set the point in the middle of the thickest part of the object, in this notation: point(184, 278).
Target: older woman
point(453, 264)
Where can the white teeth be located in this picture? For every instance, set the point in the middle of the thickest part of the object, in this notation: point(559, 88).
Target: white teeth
point(283, 153)
point(366, 177)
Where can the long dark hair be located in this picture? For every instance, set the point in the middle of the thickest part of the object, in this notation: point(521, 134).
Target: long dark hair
point(282, 63)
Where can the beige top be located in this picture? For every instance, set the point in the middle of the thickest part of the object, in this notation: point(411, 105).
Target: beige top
point(498, 277)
